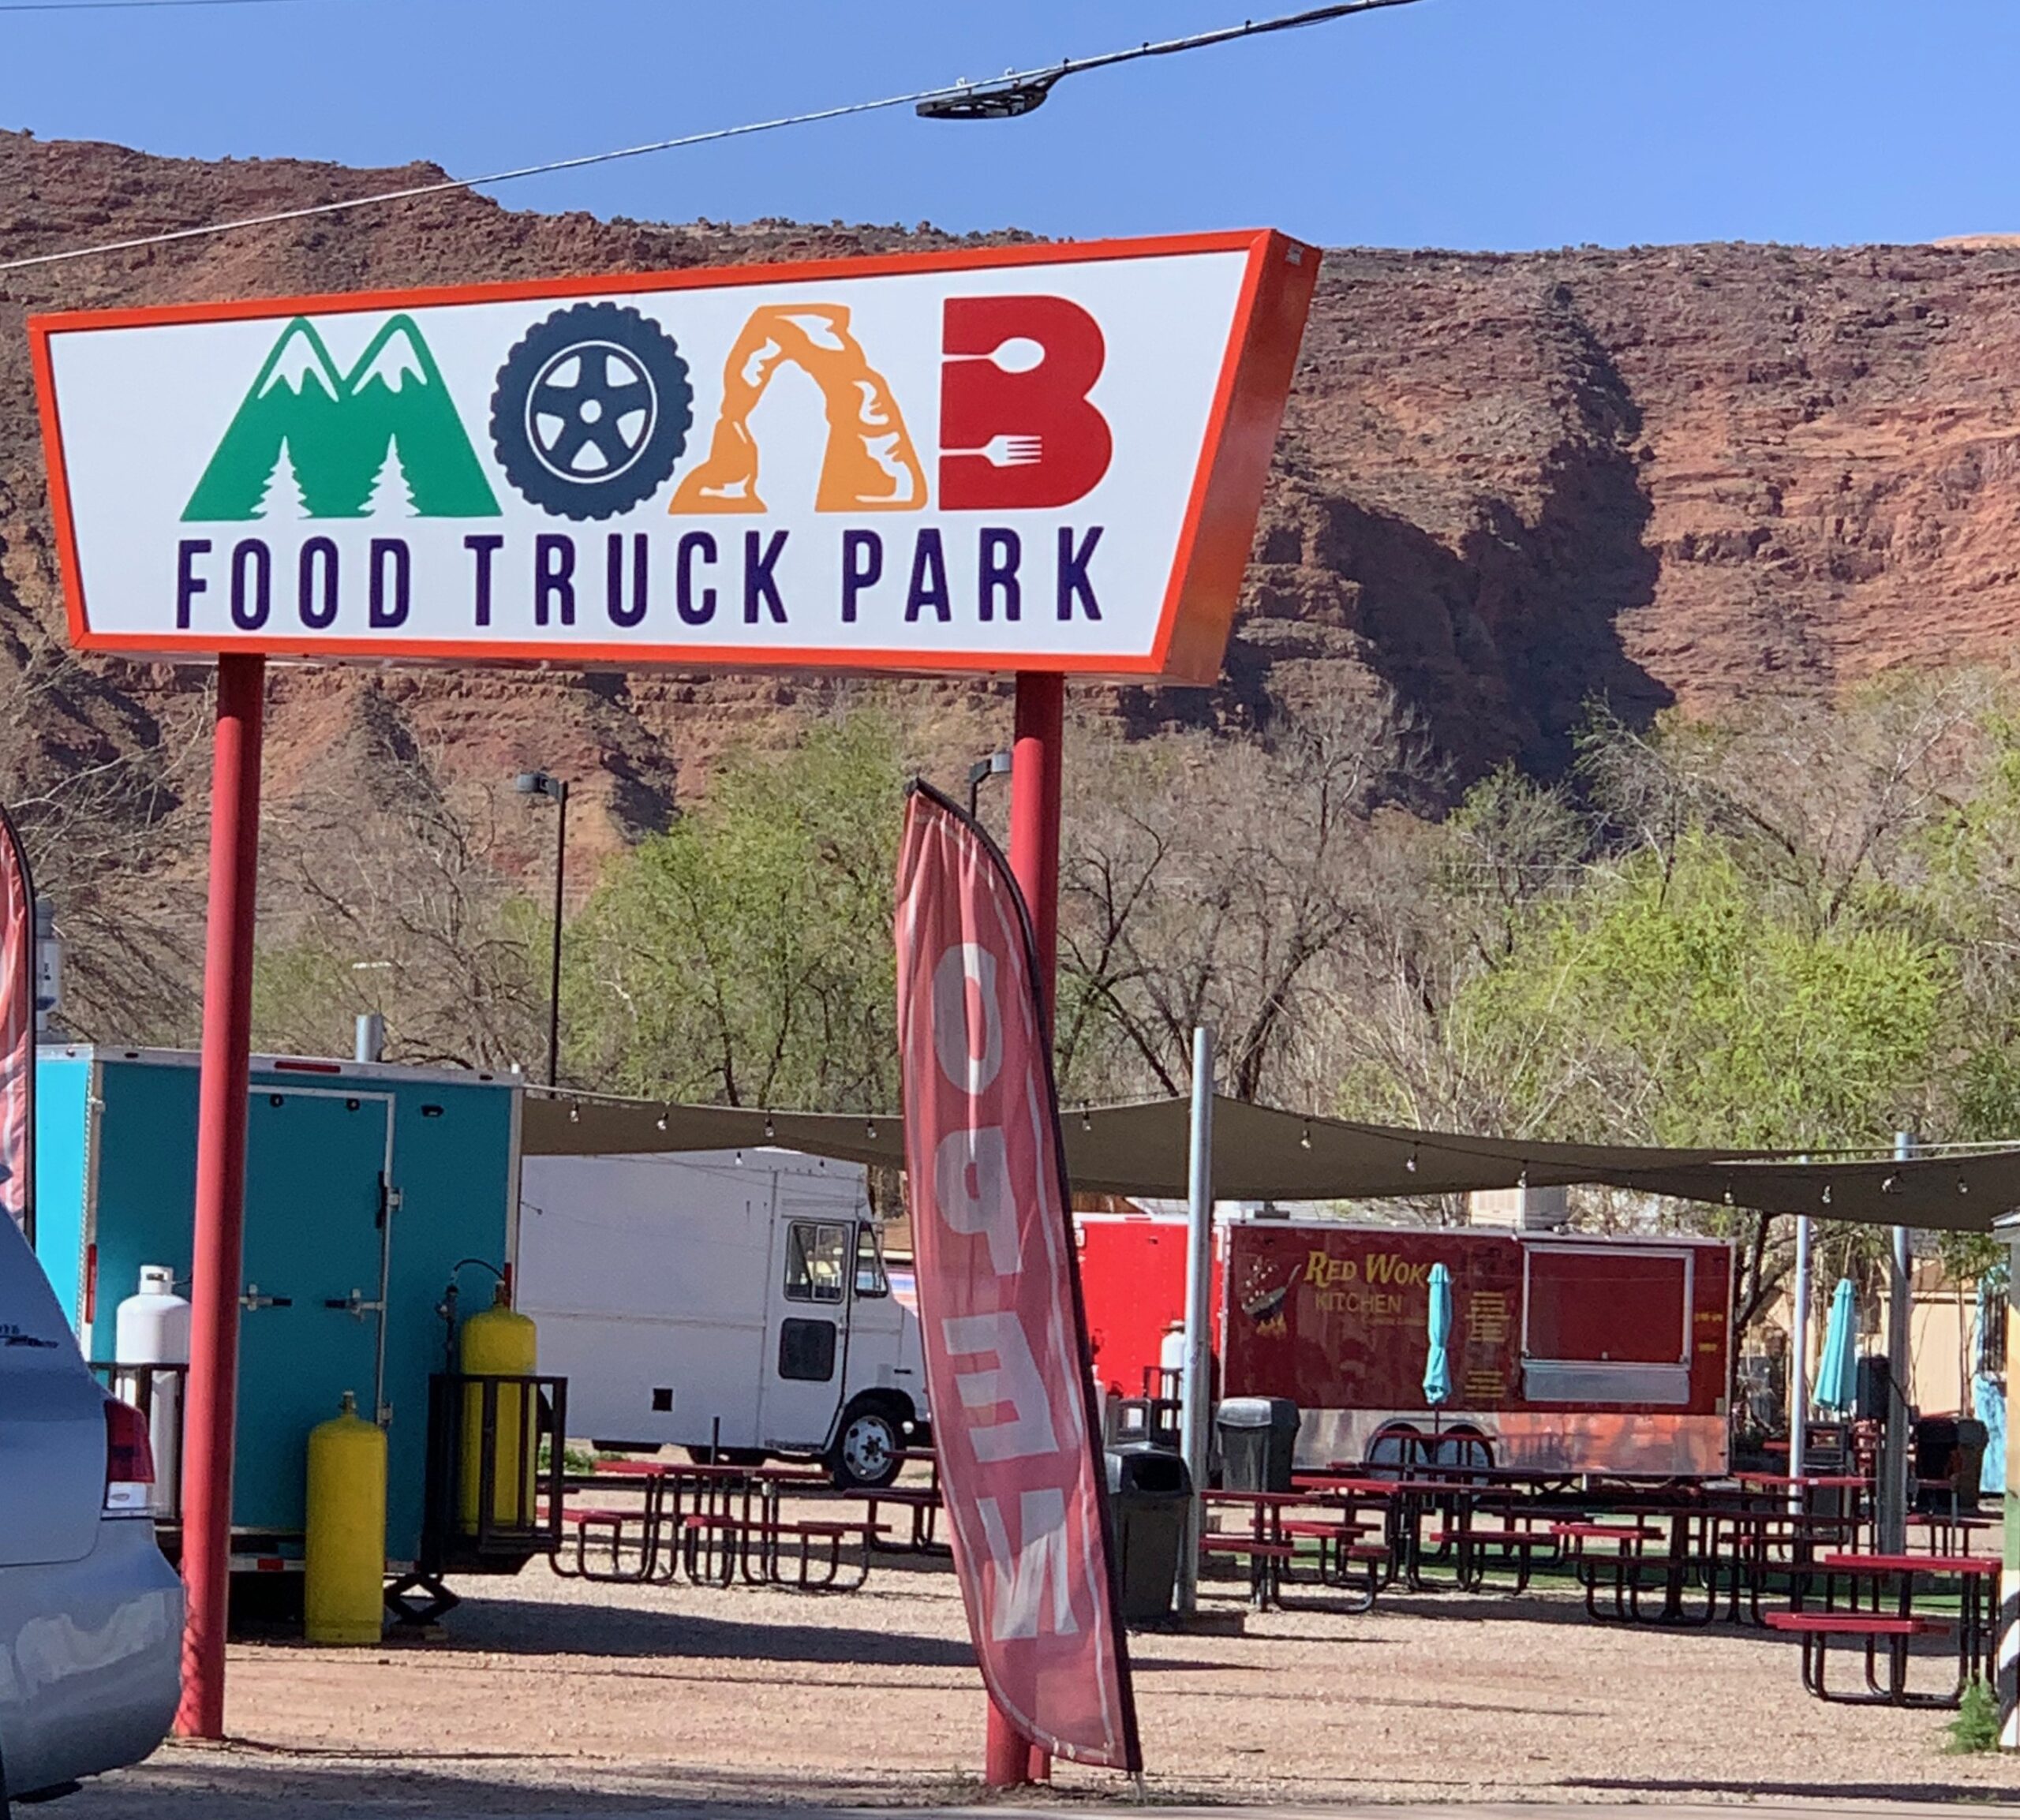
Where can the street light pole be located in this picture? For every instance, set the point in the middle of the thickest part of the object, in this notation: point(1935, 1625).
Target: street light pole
point(540, 783)
point(995, 764)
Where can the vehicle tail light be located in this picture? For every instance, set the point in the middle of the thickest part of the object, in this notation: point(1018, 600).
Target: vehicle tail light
point(129, 1458)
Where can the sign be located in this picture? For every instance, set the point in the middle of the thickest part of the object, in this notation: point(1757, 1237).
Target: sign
point(1005, 458)
point(1007, 1370)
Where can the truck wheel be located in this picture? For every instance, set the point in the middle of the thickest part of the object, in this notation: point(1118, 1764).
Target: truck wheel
point(867, 1451)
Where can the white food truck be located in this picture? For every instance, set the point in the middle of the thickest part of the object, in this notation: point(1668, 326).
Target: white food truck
point(730, 1302)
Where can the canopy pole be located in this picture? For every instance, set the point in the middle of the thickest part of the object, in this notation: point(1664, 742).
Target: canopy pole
point(1197, 1408)
point(1799, 1364)
point(1893, 1488)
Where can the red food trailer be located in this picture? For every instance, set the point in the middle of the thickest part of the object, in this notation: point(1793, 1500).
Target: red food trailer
point(1566, 1353)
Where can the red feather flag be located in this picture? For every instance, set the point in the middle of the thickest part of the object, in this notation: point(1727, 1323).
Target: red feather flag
point(1008, 1370)
point(16, 1031)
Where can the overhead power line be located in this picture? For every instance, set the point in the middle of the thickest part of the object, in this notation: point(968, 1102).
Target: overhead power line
point(1017, 91)
point(124, 5)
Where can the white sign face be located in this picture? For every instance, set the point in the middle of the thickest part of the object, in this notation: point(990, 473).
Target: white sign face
point(1019, 458)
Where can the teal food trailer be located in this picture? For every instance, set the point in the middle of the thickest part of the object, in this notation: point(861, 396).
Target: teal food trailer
point(373, 1191)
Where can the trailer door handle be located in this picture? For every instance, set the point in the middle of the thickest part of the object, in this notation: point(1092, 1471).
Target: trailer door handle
point(354, 1304)
point(253, 1300)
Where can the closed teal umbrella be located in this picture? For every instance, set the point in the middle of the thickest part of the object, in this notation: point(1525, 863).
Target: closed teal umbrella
point(1438, 1364)
point(1837, 1371)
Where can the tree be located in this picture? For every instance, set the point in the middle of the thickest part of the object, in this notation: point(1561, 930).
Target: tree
point(745, 955)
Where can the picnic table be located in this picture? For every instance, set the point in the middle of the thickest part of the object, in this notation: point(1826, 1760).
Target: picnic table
point(712, 1522)
point(1880, 1613)
point(1273, 1535)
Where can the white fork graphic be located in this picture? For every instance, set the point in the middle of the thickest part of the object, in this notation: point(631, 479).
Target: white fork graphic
point(1006, 451)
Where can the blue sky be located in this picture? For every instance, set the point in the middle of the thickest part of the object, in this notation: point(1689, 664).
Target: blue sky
point(1464, 123)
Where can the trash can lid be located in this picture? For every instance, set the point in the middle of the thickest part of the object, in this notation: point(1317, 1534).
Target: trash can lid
point(1278, 1412)
point(1155, 1469)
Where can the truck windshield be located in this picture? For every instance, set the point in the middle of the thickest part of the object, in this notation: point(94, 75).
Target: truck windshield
point(815, 1255)
point(870, 1278)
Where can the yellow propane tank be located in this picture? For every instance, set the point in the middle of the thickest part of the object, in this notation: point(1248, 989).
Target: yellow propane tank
point(499, 1343)
point(344, 1571)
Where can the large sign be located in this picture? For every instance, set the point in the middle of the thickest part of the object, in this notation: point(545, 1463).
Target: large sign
point(1015, 457)
point(1008, 1370)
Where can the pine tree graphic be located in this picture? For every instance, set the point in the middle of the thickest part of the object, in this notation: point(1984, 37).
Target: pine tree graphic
point(391, 495)
point(336, 433)
point(283, 498)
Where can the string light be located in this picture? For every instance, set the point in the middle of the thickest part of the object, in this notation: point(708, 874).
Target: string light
point(1087, 1123)
point(660, 1121)
point(869, 1126)
point(574, 1111)
point(1304, 1142)
point(1889, 1183)
point(1826, 1193)
point(768, 1131)
point(1410, 1161)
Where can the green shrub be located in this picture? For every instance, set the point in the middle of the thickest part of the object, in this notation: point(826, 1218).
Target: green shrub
point(1976, 1726)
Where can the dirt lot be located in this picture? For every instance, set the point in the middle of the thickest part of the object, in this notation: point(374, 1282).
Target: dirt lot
point(549, 1694)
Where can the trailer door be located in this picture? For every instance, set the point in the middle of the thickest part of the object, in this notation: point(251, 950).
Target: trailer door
point(1606, 1325)
point(809, 1312)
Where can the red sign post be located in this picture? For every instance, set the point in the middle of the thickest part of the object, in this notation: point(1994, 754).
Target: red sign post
point(1007, 1368)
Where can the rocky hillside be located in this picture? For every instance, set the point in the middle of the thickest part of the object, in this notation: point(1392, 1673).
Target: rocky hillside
point(1506, 484)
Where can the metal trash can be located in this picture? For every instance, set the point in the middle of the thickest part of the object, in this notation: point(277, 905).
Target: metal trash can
point(1259, 1438)
point(1150, 1494)
point(1968, 1471)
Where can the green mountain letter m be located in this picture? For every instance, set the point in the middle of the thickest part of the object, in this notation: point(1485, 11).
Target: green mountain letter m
point(334, 432)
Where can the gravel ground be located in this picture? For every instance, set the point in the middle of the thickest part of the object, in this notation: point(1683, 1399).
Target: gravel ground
point(550, 1697)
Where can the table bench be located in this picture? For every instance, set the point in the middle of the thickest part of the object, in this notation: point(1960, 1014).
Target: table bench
point(717, 1546)
point(1817, 1628)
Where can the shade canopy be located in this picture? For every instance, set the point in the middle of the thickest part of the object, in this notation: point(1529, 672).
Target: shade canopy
point(1262, 1154)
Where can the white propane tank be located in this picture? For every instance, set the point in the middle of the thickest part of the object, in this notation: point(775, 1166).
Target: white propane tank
point(152, 1329)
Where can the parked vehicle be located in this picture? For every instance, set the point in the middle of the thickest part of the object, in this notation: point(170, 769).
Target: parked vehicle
point(1566, 1353)
point(90, 1613)
point(729, 1301)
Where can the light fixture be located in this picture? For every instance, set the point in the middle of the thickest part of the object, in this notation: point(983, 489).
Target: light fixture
point(1826, 1193)
point(1087, 1123)
point(574, 1111)
point(869, 1126)
point(1410, 1161)
point(1963, 1187)
point(660, 1121)
point(1729, 1194)
point(991, 101)
point(1304, 1141)
point(1522, 1180)
point(768, 1131)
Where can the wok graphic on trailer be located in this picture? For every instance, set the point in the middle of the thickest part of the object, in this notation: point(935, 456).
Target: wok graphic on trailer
point(311, 443)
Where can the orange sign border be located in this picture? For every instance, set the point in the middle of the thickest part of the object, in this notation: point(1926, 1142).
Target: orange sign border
point(1200, 597)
